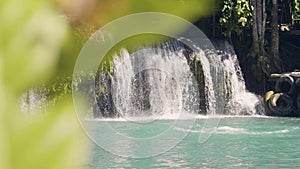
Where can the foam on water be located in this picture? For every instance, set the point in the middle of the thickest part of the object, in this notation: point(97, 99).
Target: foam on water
point(165, 116)
point(176, 116)
point(233, 130)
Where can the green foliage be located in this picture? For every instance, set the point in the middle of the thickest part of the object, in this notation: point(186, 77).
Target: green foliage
point(89, 13)
point(297, 10)
point(30, 42)
point(236, 15)
point(57, 90)
point(36, 45)
point(31, 34)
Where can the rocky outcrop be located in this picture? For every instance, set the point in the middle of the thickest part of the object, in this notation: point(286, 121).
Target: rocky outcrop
point(104, 106)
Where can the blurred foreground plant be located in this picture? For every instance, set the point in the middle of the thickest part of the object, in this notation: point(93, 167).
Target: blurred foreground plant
point(31, 34)
point(36, 44)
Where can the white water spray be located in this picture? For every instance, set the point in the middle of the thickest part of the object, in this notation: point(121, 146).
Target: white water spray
point(231, 86)
point(154, 81)
point(157, 81)
point(33, 100)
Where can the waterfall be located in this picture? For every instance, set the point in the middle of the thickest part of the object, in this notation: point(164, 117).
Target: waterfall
point(154, 81)
point(171, 77)
point(211, 102)
point(230, 86)
point(167, 79)
point(33, 100)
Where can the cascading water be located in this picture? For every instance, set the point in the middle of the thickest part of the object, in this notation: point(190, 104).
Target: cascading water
point(232, 89)
point(33, 100)
point(154, 81)
point(211, 103)
point(165, 79)
point(169, 78)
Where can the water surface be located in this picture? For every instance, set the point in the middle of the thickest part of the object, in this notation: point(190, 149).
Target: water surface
point(237, 142)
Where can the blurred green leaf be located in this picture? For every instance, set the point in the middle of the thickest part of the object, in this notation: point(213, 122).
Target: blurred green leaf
point(32, 37)
point(38, 43)
point(101, 12)
point(31, 34)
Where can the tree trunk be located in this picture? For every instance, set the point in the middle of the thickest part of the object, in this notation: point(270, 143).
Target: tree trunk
point(275, 37)
point(258, 28)
point(259, 20)
point(258, 53)
point(255, 42)
point(264, 19)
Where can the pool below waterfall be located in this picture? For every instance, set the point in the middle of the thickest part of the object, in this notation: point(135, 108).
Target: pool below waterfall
point(234, 142)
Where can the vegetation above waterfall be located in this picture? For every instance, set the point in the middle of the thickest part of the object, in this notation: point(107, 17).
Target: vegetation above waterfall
point(236, 16)
point(265, 34)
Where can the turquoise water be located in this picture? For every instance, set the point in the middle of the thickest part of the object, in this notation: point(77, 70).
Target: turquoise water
point(236, 142)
